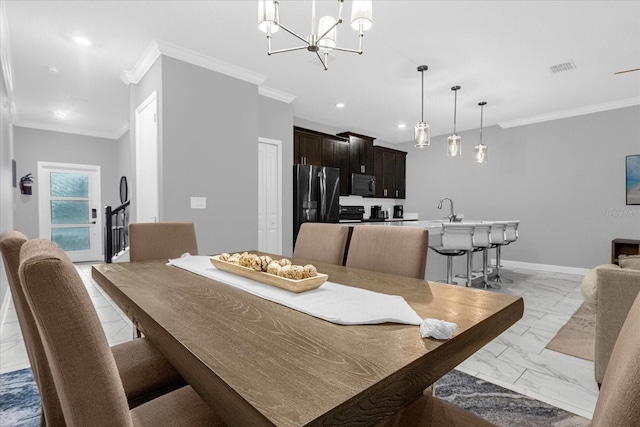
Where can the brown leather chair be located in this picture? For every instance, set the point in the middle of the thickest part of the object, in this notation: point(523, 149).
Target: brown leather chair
point(322, 242)
point(389, 249)
point(618, 403)
point(145, 373)
point(82, 365)
point(161, 240)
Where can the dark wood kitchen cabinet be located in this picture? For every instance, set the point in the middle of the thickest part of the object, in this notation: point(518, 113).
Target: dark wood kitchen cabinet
point(390, 171)
point(320, 149)
point(360, 152)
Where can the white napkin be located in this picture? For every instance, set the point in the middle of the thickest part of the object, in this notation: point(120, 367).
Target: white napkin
point(340, 304)
point(438, 329)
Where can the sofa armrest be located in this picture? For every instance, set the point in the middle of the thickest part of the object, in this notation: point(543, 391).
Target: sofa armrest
point(617, 289)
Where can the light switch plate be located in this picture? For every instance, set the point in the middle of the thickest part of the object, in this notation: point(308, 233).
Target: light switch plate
point(198, 202)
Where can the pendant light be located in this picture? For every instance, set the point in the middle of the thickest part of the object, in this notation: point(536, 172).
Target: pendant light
point(423, 132)
point(454, 143)
point(482, 151)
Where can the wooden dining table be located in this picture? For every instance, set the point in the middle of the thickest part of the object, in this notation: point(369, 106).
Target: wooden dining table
point(259, 363)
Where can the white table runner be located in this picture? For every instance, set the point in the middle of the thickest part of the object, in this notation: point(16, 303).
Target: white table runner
point(340, 304)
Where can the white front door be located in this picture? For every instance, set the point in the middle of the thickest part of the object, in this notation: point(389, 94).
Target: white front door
point(147, 204)
point(70, 209)
point(269, 196)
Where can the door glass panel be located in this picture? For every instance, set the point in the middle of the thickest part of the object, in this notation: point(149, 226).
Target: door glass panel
point(69, 212)
point(71, 239)
point(69, 185)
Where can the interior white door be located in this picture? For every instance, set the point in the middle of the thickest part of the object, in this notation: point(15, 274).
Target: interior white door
point(269, 196)
point(146, 203)
point(70, 209)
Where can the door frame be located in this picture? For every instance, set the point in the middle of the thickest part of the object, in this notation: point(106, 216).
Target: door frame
point(95, 254)
point(278, 144)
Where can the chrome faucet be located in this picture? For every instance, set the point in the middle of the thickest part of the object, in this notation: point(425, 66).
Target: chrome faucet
point(452, 216)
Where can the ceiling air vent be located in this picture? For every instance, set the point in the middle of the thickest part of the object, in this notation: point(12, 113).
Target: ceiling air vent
point(565, 66)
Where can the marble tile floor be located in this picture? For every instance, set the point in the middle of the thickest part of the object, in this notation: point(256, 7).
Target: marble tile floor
point(517, 360)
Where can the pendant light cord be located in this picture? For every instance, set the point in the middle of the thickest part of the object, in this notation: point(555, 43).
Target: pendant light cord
point(422, 120)
point(455, 108)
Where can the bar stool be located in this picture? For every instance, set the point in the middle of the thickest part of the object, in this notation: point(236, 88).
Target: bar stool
point(456, 240)
point(510, 235)
point(482, 243)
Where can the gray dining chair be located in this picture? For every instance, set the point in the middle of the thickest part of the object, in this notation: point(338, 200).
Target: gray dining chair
point(144, 372)
point(161, 240)
point(389, 249)
point(322, 242)
point(83, 368)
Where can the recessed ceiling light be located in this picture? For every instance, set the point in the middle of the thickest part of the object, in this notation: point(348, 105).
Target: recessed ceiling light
point(60, 114)
point(81, 41)
point(402, 126)
point(53, 69)
point(339, 105)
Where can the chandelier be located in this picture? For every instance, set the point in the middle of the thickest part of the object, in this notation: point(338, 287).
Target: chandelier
point(323, 36)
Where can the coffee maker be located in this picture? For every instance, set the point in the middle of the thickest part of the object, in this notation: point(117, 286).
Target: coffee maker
point(376, 212)
point(398, 211)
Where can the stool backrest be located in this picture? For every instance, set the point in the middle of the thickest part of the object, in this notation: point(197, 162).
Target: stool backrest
point(457, 236)
point(511, 232)
point(497, 232)
point(482, 235)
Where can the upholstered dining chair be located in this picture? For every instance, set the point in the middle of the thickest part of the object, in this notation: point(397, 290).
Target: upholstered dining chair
point(389, 249)
point(145, 373)
point(618, 403)
point(322, 242)
point(83, 368)
point(161, 240)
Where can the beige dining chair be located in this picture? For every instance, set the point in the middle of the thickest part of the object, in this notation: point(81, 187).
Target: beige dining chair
point(83, 368)
point(322, 242)
point(389, 249)
point(161, 240)
point(145, 373)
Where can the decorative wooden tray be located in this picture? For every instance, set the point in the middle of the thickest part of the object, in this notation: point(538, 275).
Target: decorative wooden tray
point(296, 286)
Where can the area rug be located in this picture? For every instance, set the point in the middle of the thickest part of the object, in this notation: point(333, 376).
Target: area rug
point(20, 403)
point(577, 337)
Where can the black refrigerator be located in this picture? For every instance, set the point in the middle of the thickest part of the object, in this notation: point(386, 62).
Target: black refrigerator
point(316, 195)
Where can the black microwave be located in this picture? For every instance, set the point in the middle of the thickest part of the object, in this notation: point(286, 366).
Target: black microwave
point(363, 185)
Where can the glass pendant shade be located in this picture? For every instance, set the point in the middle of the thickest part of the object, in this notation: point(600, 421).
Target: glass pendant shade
point(482, 153)
point(422, 135)
point(361, 15)
point(267, 16)
point(454, 145)
point(329, 41)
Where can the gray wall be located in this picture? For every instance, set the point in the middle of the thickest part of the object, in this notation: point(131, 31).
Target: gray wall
point(7, 192)
point(33, 145)
point(276, 122)
point(209, 149)
point(564, 179)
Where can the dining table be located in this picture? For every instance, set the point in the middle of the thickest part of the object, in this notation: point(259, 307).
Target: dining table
point(257, 362)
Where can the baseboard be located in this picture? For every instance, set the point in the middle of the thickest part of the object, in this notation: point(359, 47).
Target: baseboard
point(543, 267)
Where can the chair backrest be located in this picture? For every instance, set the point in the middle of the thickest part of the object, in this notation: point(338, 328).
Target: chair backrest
point(618, 403)
point(322, 242)
point(389, 249)
point(161, 240)
point(482, 235)
point(83, 367)
point(497, 232)
point(511, 232)
point(457, 236)
point(10, 244)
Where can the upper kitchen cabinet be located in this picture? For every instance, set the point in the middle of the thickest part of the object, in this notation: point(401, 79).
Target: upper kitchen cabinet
point(307, 147)
point(360, 152)
point(317, 148)
point(390, 172)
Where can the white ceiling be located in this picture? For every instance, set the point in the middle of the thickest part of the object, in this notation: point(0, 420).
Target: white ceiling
point(498, 51)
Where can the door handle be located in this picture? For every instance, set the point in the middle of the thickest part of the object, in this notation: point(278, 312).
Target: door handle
point(92, 222)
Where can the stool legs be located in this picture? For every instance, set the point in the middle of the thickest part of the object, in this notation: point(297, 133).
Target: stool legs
point(485, 273)
point(498, 278)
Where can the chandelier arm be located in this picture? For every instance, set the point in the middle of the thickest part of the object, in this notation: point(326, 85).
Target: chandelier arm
point(344, 49)
point(293, 33)
point(339, 21)
point(324, 64)
point(291, 49)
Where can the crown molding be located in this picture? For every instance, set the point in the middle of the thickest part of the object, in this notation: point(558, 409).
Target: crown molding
point(623, 103)
point(142, 66)
point(75, 131)
point(276, 94)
